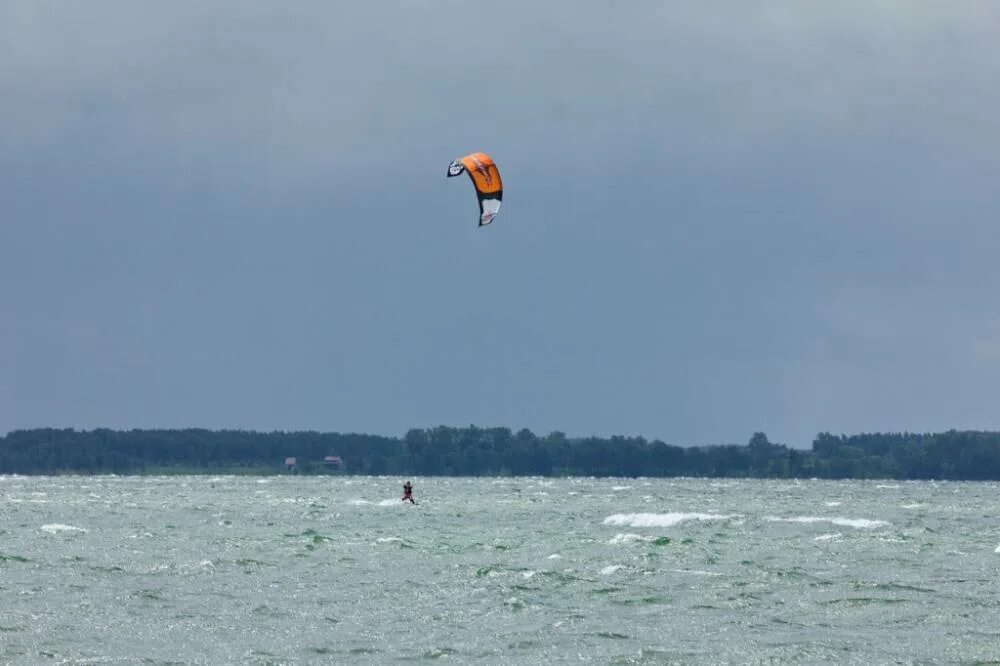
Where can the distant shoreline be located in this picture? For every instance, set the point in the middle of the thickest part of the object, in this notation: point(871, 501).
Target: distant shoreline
point(495, 452)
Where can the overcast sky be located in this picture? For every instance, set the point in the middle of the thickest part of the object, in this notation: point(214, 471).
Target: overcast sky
point(719, 217)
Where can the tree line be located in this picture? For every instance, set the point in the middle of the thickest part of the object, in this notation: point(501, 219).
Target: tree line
point(474, 451)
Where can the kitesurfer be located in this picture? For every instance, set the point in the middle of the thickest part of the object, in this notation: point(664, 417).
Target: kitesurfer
point(408, 492)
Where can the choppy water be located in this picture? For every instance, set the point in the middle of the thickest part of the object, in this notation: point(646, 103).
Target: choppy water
point(232, 570)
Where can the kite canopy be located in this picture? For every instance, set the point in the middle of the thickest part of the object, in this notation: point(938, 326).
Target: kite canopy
point(486, 179)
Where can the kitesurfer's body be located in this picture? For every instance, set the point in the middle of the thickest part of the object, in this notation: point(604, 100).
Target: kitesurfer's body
point(408, 492)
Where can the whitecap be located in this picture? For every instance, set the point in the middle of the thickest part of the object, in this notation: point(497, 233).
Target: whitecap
point(833, 503)
point(661, 519)
point(56, 528)
point(189, 568)
point(389, 540)
point(914, 505)
point(888, 487)
point(608, 570)
point(621, 487)
point(857, 523)
point(626, 538)
point(828, 537)
point(527, 574)
point(554, 556)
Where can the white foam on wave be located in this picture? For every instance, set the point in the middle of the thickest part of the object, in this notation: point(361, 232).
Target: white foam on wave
point(621, 487)
point(997, 550)
point(627, 538)
point(833, 503)
point(661, 519)
point(388, 540)
point(608, 570)
point(189, 568)
point(828, 537)
point(856, 523)
point(364, 502)
point(554, 556)
point(913, 505)
point(56, 528)
point(888, 486)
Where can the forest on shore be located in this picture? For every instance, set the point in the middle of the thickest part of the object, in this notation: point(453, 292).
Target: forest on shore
point(475, 451)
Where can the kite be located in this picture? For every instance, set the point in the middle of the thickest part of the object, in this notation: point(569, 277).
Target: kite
point(486, 179)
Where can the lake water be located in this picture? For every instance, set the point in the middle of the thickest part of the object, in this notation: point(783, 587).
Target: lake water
point(299, 570)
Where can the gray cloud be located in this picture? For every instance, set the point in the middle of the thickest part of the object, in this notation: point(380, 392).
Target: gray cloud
point(719, 218)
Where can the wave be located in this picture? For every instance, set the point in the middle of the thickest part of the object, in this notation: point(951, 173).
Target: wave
point(827, 537)
point(661, 519)
point(628, 538)
point(388, 540)
point(56, 528)
point(364, 502)
point(857, 523)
